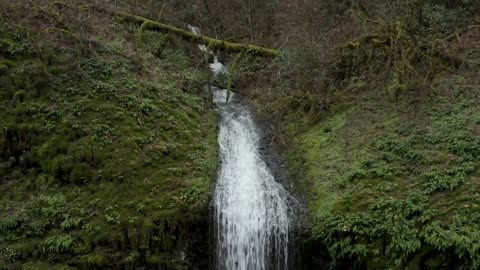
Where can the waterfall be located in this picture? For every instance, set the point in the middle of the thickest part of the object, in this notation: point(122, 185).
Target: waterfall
point(216, 67)
point(251, 223)
point(250, 208)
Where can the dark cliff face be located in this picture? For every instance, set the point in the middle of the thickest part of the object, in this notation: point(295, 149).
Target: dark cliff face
point(304, 253)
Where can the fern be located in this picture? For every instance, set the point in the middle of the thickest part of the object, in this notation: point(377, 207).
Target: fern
point(449, 179)
point(57, 244)
point(71, 223)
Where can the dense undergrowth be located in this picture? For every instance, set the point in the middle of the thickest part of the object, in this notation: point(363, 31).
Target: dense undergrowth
point(396, 187)
point(378, 118)
point(107, 144)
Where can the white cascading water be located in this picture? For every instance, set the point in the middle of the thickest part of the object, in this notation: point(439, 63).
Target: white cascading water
point(251, 213)
point(250, 207)
point(217, 67)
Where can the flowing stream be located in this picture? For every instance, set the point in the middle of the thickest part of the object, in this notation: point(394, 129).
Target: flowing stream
point(250, 208)
point(251, 223)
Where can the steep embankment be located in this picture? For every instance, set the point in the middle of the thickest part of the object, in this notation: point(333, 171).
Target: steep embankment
point(107, 144)
point(395, 182)
point(379, 121)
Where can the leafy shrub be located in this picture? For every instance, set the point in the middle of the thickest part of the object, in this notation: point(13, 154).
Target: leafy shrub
point(11, 227)
point(468, 148)
point(104, 89)
point(58, 244)
point(387, 235)
point(399, 148)
point(448, 179)
point(459, 238)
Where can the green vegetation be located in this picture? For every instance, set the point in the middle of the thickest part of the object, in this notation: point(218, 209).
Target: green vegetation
point(107, 141)
point(392, 190)
point(378, 121)
point(108, 150)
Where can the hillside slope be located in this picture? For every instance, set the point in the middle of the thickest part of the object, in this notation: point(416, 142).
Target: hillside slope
point(392, 181)
point(397, 185)
point(108, 144)
point(377, 114)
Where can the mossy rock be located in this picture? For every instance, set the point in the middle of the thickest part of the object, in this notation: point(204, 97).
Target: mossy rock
point(27, 249)
point(95, 260)
point(82, 173)
point(36, 265)
point(60, 167)
point(19, 97)
point(3, 69)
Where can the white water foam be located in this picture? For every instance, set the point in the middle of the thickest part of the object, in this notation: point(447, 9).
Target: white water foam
point(216, 67)
point(251, 213)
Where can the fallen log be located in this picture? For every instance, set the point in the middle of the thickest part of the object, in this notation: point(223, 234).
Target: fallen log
point(213, 42)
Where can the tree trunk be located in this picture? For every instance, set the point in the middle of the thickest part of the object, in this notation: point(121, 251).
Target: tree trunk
point(215, 43)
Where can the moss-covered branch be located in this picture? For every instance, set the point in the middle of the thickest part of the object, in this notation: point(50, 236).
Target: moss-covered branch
point(140, 32)
point(215, 43)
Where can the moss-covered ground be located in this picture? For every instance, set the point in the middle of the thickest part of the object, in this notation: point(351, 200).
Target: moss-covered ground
point(107, 144)
point(396, 184)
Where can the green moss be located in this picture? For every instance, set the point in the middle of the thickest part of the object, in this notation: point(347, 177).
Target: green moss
point(27, 249)
point(109, 158)
point(82, 173)
point(3, 69)
point(37, 266)
point(389, 186)
point(93, 261)
point(321, 137)
point(236, 47)
point(20, 96)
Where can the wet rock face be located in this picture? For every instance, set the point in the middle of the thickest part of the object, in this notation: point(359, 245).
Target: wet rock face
point(304, 253)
